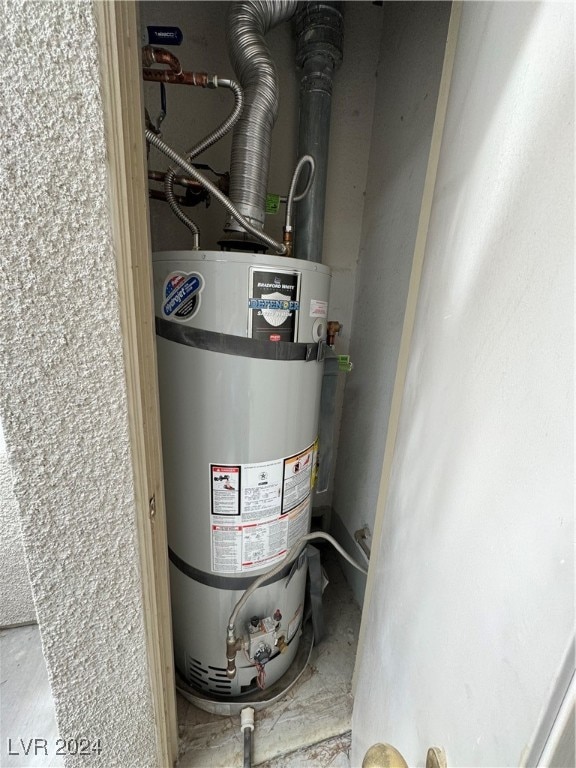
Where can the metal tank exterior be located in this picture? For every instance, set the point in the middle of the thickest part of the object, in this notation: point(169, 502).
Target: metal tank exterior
point(239, 431)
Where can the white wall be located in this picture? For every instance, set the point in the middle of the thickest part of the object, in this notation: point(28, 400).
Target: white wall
point(193, 112)
point(16, 604)
point(62, 391)
point(474, 602)
point(411, 56)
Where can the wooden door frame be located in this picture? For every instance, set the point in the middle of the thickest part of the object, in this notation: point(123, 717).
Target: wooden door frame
point(119, 52)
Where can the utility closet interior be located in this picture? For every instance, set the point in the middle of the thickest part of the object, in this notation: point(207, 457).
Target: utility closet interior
point(359, 511)
point(279, 445)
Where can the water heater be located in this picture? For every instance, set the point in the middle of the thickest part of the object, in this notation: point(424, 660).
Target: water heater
point(240, 373)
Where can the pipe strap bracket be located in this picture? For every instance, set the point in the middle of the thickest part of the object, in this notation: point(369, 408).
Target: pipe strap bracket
point(228, 344)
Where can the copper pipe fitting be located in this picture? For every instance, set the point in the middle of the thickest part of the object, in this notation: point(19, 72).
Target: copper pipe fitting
point(151, 55)
point(233, 645)
point(332, 329)
point(179, 78)
point(174, 73)
point(287, 240)
point(223, 182)
point(183, 181)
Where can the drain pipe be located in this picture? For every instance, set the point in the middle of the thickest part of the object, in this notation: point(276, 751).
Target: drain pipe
point(320, 34)
point(247, 727)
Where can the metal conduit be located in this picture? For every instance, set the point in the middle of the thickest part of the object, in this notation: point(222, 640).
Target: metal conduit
point(248, 22)
point(157, 142)
point(196, 150)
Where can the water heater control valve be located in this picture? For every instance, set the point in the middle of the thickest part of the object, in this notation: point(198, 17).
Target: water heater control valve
point(262, 638)
point(262, 654)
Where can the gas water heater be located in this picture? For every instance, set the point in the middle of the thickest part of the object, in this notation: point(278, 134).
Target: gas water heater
point(241, 338)
point(240, 342)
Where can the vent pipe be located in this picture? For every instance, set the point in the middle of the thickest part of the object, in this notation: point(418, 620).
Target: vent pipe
point(247, 24)
point(320, 33)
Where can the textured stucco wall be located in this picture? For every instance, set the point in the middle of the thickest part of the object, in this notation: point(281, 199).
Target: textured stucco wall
point(411, 56)
point(16, 604)
point(62, 393)
point(472, 613)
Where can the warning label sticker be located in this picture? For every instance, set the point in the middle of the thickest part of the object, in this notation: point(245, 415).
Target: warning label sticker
point(258, 511)
point(263, 544)
point(298, 522)
point(261, 491)
point(225, 490)
point(226, 547)
point(318, 308)
point(297, 478)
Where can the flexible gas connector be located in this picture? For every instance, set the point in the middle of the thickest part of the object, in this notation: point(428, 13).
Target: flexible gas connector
point(197, 149)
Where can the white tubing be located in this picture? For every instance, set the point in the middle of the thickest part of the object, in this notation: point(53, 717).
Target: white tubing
point(247, 718)
point(292, 196)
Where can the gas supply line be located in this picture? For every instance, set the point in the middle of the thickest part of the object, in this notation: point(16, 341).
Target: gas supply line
point(234, 643)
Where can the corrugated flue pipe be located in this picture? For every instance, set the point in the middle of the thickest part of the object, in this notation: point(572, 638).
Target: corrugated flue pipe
point(247, 24)
point(320, 34)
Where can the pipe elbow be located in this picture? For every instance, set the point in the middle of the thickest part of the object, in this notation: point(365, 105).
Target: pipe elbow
point(152, 55)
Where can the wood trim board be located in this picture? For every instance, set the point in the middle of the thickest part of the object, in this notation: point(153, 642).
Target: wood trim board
point(119, 49)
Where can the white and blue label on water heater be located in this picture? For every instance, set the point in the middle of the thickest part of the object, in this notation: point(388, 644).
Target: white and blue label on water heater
point(181, 295)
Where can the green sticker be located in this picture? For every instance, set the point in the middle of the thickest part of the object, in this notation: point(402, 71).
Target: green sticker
point(272, 203)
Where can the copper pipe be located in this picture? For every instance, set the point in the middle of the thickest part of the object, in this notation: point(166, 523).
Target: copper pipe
point(186, 181)
point(174, 74)
point(183, 181)
point(151, 55)
point(181, 78)
point(287, 240)
point(333, 329)
point(157, 194)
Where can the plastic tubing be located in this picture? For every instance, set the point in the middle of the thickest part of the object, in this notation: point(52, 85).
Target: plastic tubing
point(208, 141)
point(157, 142)
point(292, 554)
point(292, 196)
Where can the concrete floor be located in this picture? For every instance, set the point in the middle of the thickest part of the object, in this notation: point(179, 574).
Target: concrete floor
point(308, 728)
point(26, 706)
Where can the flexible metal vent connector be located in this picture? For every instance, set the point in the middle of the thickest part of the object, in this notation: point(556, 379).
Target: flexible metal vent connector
point(247, 24)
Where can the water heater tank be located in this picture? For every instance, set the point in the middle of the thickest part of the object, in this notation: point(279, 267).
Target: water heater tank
point(240, 377)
